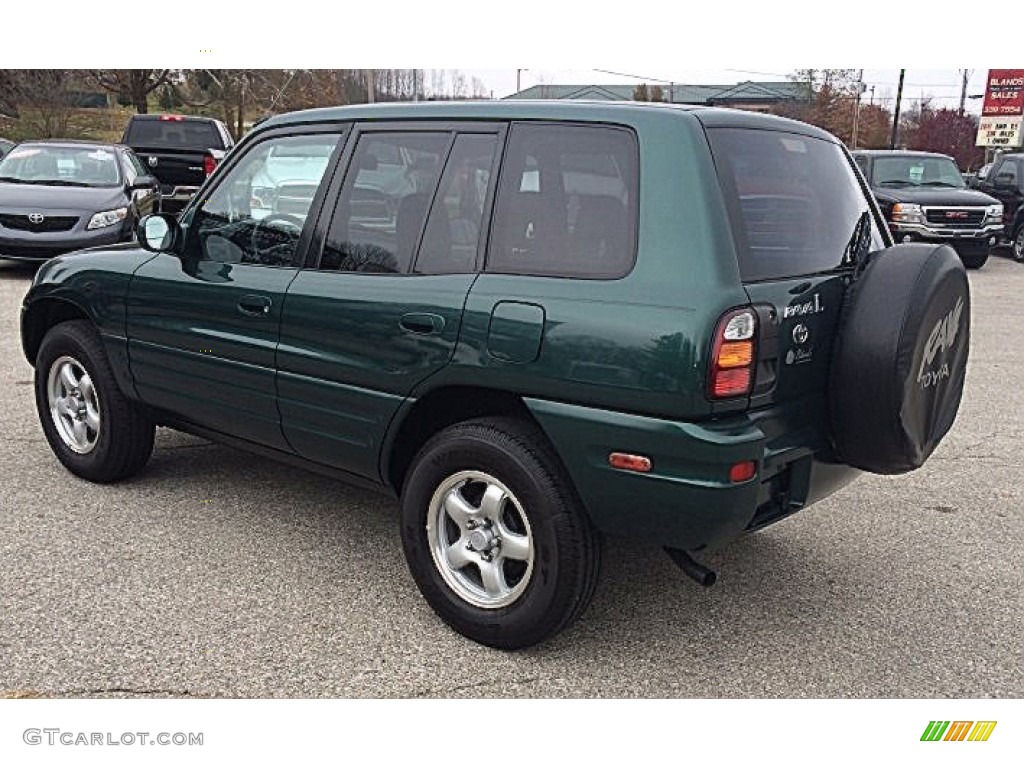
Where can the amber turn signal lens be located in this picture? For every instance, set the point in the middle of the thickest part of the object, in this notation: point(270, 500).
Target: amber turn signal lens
point(735, 354)
point(630, 462)
point(742, 471)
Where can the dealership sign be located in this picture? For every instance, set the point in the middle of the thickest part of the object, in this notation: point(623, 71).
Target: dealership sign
point(999, 132)
point(1003, 110)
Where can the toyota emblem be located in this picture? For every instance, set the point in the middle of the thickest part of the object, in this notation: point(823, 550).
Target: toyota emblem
point(36, 218)
point(153, 161)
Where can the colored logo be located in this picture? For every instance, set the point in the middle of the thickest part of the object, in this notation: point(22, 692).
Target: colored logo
point(958, 730)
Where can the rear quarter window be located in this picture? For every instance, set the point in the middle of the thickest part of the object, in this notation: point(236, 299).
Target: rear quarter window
point(567, 202)
point(794, 201)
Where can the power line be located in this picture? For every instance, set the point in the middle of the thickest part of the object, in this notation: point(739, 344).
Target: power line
point(754, 72)
point(635, 77)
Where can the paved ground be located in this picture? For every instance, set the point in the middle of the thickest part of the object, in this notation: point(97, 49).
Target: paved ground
point(218, 574)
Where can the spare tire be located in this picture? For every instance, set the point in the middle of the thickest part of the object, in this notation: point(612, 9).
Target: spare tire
point(900, 357)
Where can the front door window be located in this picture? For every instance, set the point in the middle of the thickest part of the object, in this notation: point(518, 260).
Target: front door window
point(256, 214)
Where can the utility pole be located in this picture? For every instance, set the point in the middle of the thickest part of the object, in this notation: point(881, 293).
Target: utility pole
point(896, 113)
point(519, 80)
point(856, 108)
point(965, 75)
point(872, 95)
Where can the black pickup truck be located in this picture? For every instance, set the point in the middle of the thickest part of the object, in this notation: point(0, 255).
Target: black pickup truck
point(180, 151)
point(925, 199)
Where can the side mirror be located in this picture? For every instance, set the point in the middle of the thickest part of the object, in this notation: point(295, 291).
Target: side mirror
point(144, 182)
point(158, 233)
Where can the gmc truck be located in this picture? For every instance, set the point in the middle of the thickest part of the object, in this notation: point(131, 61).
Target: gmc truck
point(924, 198)
point(179, 151)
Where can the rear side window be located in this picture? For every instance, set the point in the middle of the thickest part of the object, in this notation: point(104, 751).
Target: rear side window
point(452, 233)
point(566, 203)
point(384, 202)
point(794, 201)
point(184, 134)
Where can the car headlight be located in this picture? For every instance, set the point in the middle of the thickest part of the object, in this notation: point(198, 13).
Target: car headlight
point(108, 218)
point(907, 213)
point(995, 211)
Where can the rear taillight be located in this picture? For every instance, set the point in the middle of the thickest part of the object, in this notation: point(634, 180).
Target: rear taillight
point(173, 118)
point(209, 163)
point(733, 355)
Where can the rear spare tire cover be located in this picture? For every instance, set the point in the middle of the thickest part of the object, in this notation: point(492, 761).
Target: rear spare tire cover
point(900, 358)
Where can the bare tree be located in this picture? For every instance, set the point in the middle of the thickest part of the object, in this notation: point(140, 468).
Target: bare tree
point(438, 88)
point(458, 85)
point(479, 90)
point(134, 85)
point(43, 99)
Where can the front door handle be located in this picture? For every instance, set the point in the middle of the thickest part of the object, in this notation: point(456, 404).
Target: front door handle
point(254, 306)
point(424, 323)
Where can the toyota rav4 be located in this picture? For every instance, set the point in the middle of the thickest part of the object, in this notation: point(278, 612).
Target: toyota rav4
point(534, 323)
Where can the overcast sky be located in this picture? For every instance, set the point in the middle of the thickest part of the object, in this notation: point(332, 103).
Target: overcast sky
point(942, 85)
point(651, 40)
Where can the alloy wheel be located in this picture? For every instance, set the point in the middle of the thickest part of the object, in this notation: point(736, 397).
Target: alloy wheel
point(480, 539)
point(74, 404)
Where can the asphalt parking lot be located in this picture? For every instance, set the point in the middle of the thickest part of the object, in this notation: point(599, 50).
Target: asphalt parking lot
point(216, 573)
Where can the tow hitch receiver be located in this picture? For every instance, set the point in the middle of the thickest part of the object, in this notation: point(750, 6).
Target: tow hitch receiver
point(702, 575)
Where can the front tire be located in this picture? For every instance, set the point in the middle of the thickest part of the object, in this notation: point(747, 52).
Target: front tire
point(1017, 246)
point(495, 535)
point(92, 428)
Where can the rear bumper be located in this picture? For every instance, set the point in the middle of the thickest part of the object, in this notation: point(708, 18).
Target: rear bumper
point(174, 199)
point(687, 500)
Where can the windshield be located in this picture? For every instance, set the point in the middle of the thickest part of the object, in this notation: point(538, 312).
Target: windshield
point(87, 166)
point(908, 171)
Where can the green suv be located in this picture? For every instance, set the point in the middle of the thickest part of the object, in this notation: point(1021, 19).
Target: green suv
point(534, 323)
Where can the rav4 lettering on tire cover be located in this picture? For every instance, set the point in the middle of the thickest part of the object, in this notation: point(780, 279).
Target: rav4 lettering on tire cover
point(940, 339)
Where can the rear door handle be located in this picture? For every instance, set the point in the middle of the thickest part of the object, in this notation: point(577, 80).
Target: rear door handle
point(424, 323)
point(254, 306)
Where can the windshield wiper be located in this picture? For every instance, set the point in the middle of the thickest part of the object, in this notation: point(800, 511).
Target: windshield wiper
point(46, 182)
point(860, 242)
point(900, 182)
point(61, 183)
point(939, 184)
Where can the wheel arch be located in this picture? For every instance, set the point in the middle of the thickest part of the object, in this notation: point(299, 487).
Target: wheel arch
point(1017, 223)
point(424, 417)
point(42, 315)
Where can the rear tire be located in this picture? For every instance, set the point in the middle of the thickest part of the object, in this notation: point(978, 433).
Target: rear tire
point(92, 428)
point(495, 535)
